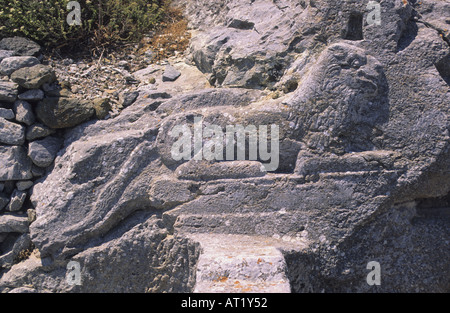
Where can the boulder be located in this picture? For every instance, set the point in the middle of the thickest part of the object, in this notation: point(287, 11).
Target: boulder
point(362, 111)
point(64, 112)
point(11, 133)
point(8, 91)
point(101, 107)
point(43, 152)
point(15, 164)
point(37, 131)
point(20, 46)
point(170, 74)
point(34, 77)
point(5, 54)
point(12, 64)
point(24, 112)
point(17, 200)
point(7, 114)
point(10, 223)
point(32, 95)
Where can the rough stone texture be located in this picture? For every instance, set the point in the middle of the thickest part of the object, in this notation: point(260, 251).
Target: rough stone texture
point(101, 107)
point(8, 91)
point(24, 112)
point(24, 185)
point(15, 164)
point(20, 46)
point(240, 264)
point(13, 224)
point(37, 131)
point(5, 54)
point(11, 133)
point(7, 114)
point(170, 74)
point(32, 95)
point(63, 112)
point(43, 152)
point(17, 200)
point(12, 64)
point(364, 161)
point(34, 77)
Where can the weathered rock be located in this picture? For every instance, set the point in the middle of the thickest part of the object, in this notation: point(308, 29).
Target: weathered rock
point(101, 107)
point(205, 171)
point(8, 91)
point(129, 98)
point(171, 269)
point(24, 185)
point(37, 131)
point(167, 192)
point(22, 243)
point(43, 152)
point(12, 64)
point(64, 112)
point(363, 118)
point(17, 200)
point(34, 77)
point(7, 114)
point(11, 133)
point(24, 112)
point(20, 46)
point(5, 54)
point(32, 95)
point(170, 74)
point(13, 224)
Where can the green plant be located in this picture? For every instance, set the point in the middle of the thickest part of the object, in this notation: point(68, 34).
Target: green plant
point(104, 22)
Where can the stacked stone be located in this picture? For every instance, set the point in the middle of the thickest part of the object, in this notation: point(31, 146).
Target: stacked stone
point(32, 108)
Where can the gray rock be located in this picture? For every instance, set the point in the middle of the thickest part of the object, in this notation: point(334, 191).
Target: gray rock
point(17, 200)
point(363, 118)
point(32, 95)
point(34, 77)
point(140, 242)
point(24, 185)
point(12, 64)
point(8, 91)
point(170, 74)
point(7, 114)
point(22, 243)
point(64, 112)
point(4, 200)
point(24, 112)
point(102, 107)
point(37, 171)
point(2, 187)
point(43, 152)
point(205, 171)
point(13, 224)
point(20, 46)
point(129, 98)
point(11, 133)
point(37, 131)
point(5, 54)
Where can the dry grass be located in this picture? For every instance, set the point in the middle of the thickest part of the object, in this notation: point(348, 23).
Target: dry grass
point(172, 37)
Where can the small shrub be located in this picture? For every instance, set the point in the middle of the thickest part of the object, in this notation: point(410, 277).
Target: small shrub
point(104, 22)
